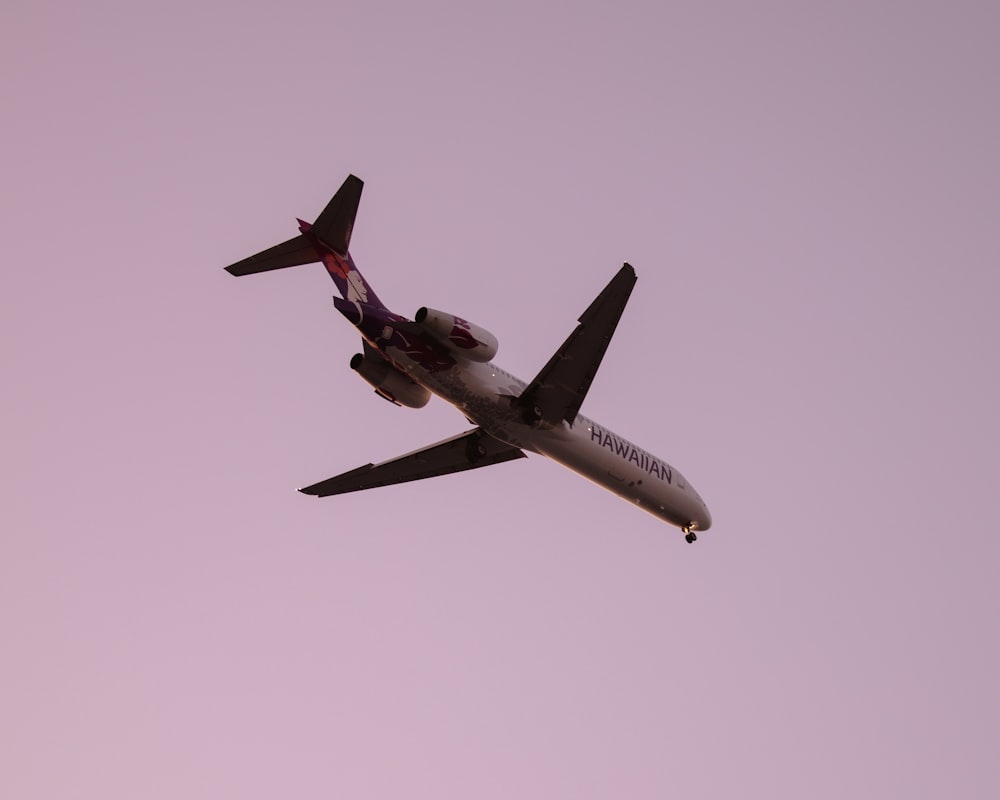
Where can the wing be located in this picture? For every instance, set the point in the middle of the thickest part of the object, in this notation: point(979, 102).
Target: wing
point(465, 451)
point(557, 392)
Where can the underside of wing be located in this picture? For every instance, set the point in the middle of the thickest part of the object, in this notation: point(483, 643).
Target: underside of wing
point(465, 451)
point(557, 392)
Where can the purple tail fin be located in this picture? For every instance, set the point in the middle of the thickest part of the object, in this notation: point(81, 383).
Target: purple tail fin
point(326, 240)
point(350, 282)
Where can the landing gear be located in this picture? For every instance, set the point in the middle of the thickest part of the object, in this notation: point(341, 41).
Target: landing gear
point(690, 536)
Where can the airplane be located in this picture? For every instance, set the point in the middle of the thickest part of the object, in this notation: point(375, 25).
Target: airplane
point(438, 353)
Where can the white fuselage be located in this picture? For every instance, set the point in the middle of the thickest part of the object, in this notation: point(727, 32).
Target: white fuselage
point(484, 393)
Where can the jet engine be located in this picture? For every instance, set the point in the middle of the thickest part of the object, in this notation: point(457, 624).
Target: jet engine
point(458, 335)
point(389, 383)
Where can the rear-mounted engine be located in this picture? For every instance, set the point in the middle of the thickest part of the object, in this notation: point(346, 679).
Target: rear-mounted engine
point(394, 386)
point(460, 336)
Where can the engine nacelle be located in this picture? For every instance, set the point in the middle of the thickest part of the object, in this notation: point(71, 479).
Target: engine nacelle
point(458, 335)
point(394, 386)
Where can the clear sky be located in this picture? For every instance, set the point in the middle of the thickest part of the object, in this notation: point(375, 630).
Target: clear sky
point(810, 194)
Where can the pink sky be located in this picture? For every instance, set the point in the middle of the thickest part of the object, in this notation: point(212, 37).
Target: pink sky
point(810, 195)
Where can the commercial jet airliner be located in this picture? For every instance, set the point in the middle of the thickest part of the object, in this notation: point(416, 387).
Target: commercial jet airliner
point(439, 353)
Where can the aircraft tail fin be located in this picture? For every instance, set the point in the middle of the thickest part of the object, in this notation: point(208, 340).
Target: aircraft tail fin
point(334, 226)
point(326, 240)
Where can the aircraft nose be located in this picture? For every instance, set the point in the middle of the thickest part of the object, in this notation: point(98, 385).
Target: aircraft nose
point(703, 521)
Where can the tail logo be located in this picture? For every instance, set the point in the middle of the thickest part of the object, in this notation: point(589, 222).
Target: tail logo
point(349, 280)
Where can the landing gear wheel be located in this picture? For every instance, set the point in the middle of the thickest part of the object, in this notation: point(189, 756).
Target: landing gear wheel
point(690, 536)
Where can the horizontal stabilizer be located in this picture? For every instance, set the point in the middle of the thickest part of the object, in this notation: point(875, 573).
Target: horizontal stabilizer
point(287, 254)
point(333, 229)
point(465, 451)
